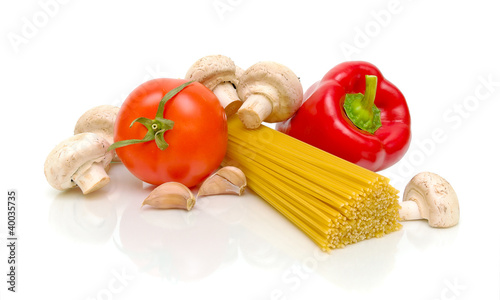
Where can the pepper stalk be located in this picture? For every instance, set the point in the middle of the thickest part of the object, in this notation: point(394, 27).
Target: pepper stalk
point(360, 108)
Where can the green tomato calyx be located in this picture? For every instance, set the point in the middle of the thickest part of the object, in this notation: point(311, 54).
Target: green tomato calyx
point(156, 127)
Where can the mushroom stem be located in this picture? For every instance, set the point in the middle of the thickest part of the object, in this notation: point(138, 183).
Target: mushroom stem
point(409, 211)
point(255, 110)
point(92, 178)
point(228, 97)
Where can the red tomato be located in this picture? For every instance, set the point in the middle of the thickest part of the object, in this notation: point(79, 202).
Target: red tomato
point(197, 141)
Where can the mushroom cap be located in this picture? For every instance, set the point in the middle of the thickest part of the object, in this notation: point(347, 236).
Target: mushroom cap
point(212, 70)
point(99, 120)
point(276, 82)
point(72, 154)
point(435, 197)
point(239, 71)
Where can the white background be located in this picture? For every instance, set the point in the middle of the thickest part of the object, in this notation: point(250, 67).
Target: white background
point(59, 59)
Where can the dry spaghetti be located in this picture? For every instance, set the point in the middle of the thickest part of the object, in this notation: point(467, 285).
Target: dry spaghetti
point(333, 201)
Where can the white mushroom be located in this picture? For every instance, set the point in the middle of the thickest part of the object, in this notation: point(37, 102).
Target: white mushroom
point(271, 93)
point(99, 120)
point(218, 73)
point(429, 196)
point(80, 161)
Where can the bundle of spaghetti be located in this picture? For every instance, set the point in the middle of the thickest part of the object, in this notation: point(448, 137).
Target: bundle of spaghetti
point(333, 201)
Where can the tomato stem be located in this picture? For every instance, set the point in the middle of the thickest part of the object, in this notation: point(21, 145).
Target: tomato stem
point(170, 94)
point(156, 127)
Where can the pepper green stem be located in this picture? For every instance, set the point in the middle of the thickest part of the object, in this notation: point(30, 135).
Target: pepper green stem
point(361, 109)
point(370, 91)
point(156, 127)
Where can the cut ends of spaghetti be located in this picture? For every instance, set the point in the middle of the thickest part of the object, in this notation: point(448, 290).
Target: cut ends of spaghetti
point(334, 202)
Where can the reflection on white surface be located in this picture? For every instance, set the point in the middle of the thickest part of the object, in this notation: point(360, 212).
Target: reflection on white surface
point(183, 246)
point(226, 234)
point(174, 244)
point(422, 237)
point(89, 220)
point(362, 266)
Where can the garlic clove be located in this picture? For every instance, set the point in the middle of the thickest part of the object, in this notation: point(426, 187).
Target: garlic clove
point(227, 180)
point(171, 195)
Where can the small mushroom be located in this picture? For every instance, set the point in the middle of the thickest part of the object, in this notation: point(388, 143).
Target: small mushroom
point(429, 196)
point(80, 160)
point(227, 180)
point(218, 73)
point(271, 93)
point(171, 195)
point(99, 120)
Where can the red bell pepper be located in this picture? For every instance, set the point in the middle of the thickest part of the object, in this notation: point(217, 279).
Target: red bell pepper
point(356, 114)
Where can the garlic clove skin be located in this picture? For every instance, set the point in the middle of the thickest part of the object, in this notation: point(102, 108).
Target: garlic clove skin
point(226, 181)
point(171, 195)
